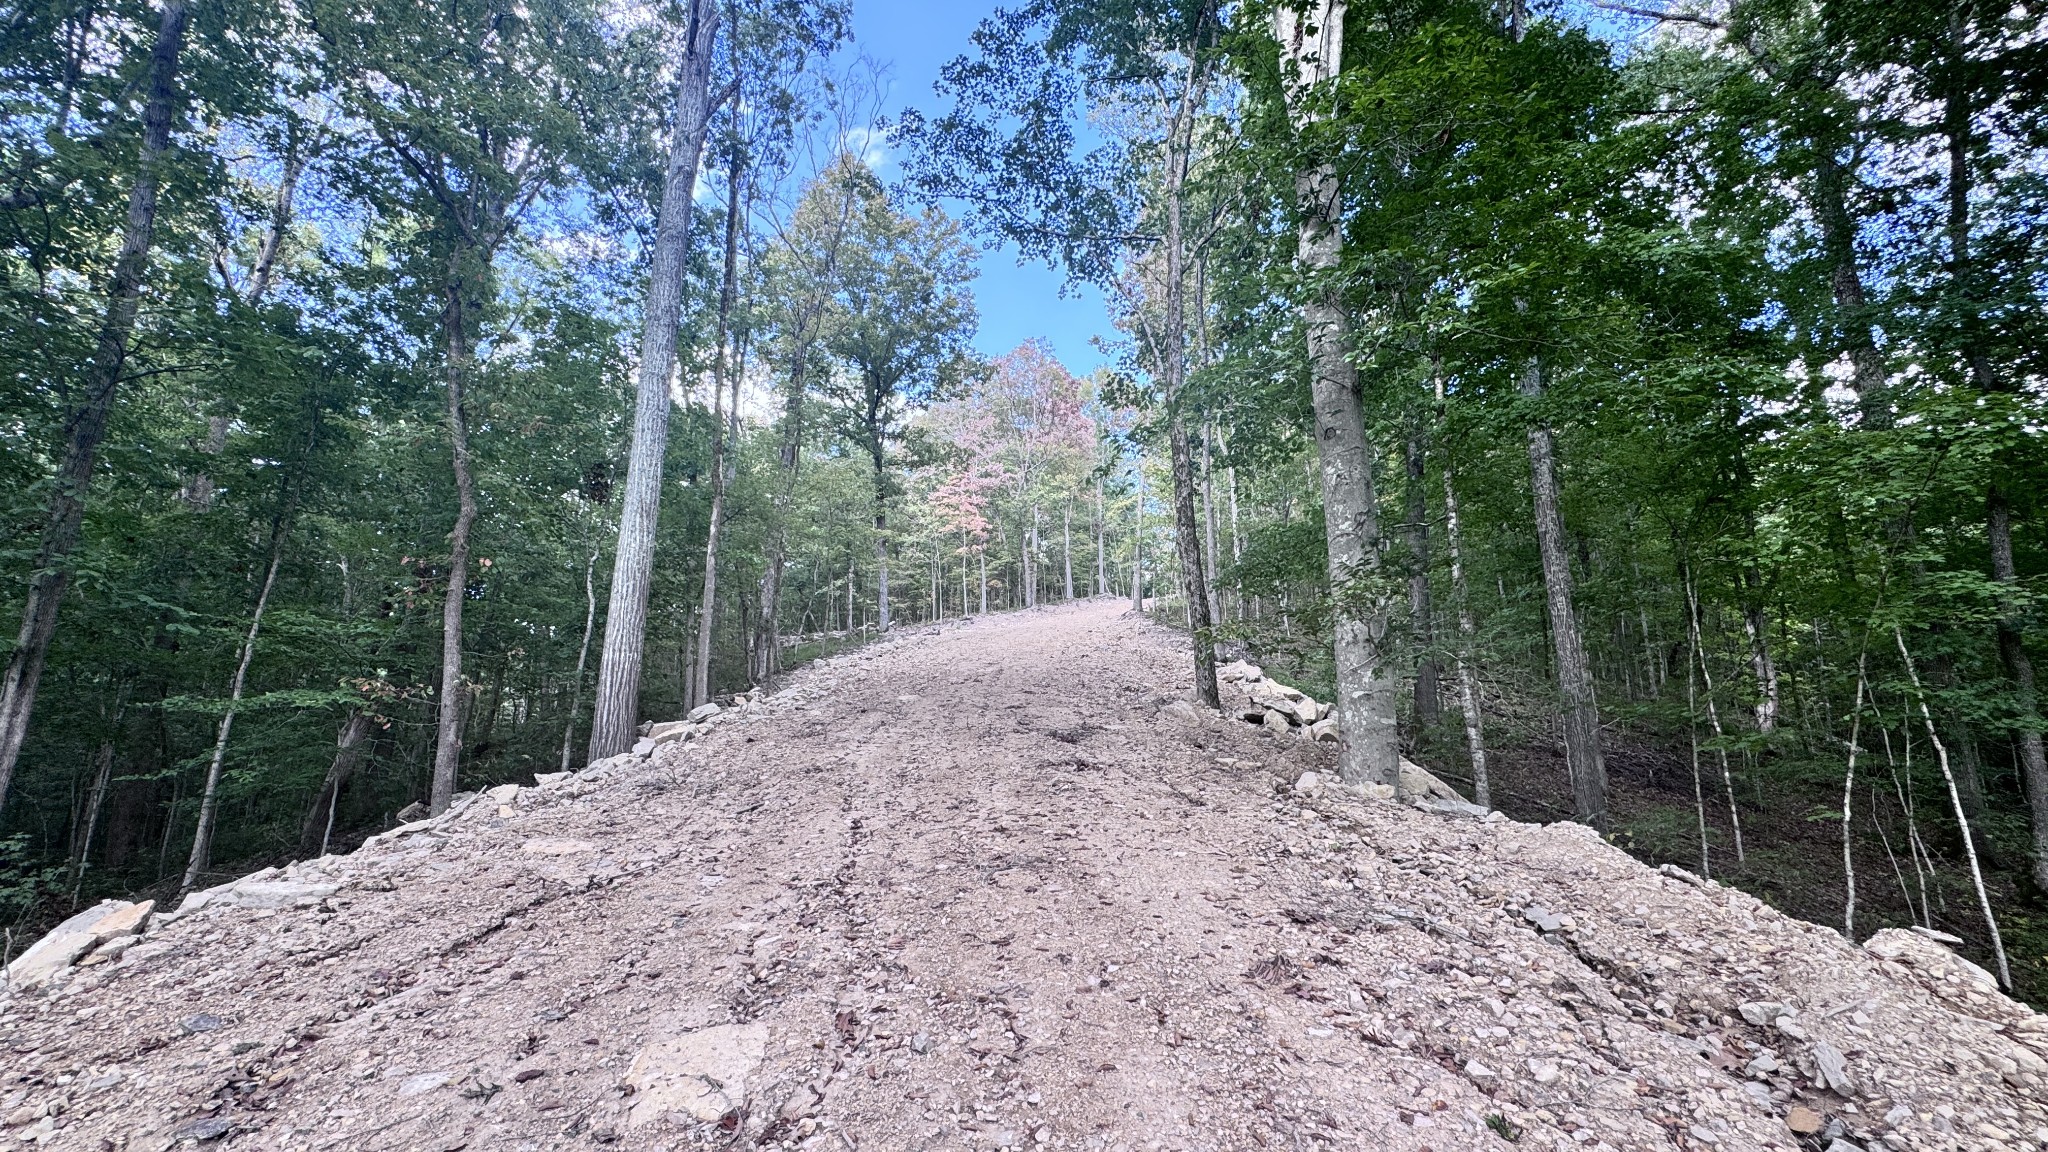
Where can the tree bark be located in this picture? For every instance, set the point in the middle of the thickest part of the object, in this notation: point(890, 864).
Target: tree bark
point(1468, 678)
point(1187, 530)
point(96, 798)
point(317, 828)
point(1369, 744)
point(582, 657)
point(2012, 649)
point(209, 798)
point(1420, 610)
point(1962, 820)
point(1067, 546)
point(615, 711)
point(86, 424)
point(1101, 554)
point(448, 727)
point(1138, 542)
point(700, 677)
point(1574, 676)
point(1209, 522)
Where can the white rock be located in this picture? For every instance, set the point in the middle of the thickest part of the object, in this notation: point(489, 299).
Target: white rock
point(1543, 1071)
point(552, 847)
point(72, 939)
point(503, 794)
point(1239, 671)
point(1834, 1068)
point(1309, 784)
point(1761, 1012)
point(643, 748)
point(703, 1074)
point(422, 1083)
point(1324, 730)
point(671, 732)
point(703, 712)
point(1478, 1071)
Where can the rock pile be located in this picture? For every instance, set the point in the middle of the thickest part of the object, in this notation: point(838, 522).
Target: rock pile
point(97, 935)
point(1277, 707)
point(698, 722)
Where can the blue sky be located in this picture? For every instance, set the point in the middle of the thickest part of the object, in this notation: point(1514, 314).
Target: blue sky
point(914, 38)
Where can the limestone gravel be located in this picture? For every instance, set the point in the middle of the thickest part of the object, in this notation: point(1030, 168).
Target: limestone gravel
point(990, 886)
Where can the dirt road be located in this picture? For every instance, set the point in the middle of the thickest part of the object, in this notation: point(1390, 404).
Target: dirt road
point(976, 889)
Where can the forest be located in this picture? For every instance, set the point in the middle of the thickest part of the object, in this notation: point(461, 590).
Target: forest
point(1632, 412)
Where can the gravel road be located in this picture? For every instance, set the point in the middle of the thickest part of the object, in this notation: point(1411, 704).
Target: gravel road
point(976, 888)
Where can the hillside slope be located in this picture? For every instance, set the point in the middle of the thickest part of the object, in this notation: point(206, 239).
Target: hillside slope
point(980, 888)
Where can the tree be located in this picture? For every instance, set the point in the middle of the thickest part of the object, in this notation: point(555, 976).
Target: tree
point(616, 708)
point(1312, 48)
point(85, 421)
point(901, 320)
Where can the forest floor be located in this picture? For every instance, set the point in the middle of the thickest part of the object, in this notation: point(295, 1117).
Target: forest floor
point(988, 885)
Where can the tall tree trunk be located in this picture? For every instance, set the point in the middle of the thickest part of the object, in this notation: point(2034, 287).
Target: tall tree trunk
point(1187, 530)
point(1581, 713)
point(1756, 627)
point(1067, 546)
point(1838, 229)
point(981, 553)
point(86, 424)
point(1962, 820)
point(2019, 666)
point(1209, 524)
point(209, 799)
point(1312, 45)
point(1420, 610)
point(1027, 544)
point(1138, 543)
point(1101, 551)
point(881, 553)
point(317, 828)
point(582, 657)
point(615, 711)
point(1468, 678)
point(95, 799)
point(1699, 650)
point(448, 729)
point(700, 677)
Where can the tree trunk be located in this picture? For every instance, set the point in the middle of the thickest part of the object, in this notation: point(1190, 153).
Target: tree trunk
point(448, 729)
point(86, 424)
point(1368, 750)
point(700, 677)
point(982, 554)
point(1756, 627)
point(318, 826)
point(1101, 553)
point(1138, 543)
point(1468, 678)
point(1420, 610)
point(1209, 524)
point(1699, 651)
point(582, 657)
point(96, 798)
point(615, 712)
point(1187, 530)
point(1574, 677)
point(2012, 649)
point(1067, 546)
point(209, 799)
point(1962, 821)
point(1027, 545)
point(1852, 309)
